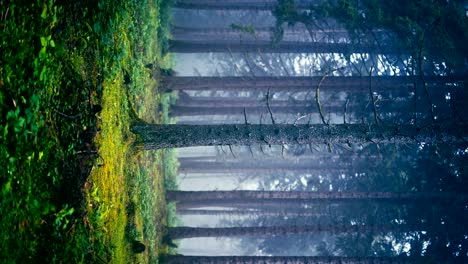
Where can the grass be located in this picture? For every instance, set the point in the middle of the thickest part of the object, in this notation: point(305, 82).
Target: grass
point(73, 76)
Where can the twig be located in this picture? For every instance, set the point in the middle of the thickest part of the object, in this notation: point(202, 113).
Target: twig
point(371, 95)
point(421, 75)
point(261, 149)
point(268, 105)
point(299, 118)
point(317, 99)
point(345, 110)
point(329, 146)
point(232, 152)
point(245, 117)
point(251, 151)
point(222, 149)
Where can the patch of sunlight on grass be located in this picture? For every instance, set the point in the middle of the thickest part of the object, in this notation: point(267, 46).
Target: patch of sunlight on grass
point(106, 190)
point(125, 191)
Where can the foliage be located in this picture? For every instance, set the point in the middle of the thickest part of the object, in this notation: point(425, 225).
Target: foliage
point(246, 29)
point(438, 29)
point(434, 29)
point(42, 133)
point(62, 62)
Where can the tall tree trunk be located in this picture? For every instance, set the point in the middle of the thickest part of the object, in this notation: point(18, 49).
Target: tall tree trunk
point(240, 196)
point(290, 34)
point(266, 5)
point(279, 212)
point(191, 232)
point(278, 165)
point(202, 46)
point(180, 259)
point(287, 108)
point(153, 136)
point(332, 83)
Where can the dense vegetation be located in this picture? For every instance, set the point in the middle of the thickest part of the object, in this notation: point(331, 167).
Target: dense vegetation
point(73, 74)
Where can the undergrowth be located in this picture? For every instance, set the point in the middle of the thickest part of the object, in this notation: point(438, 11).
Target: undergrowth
point(73, 75)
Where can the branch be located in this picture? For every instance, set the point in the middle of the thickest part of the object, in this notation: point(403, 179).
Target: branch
point(374, 109)
point(421, 75)
point(268, 105)
point(317, 99)
point(232, 152)
point(345, 110)
point(298, 118)
point(245, 117)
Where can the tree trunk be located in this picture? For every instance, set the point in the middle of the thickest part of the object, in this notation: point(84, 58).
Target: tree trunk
point(289, 165)
point(191, 232)
point(203, 46)
point(266, 5)
point(279, 212)
point(332, 83)
point(241, 196)
point(180, 259)
point(308, 107)
point(152, 136)
point(265, 34)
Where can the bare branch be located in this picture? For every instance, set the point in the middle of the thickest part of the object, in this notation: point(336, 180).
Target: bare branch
point(251, 151)
point(268, 105)
point(232, 152)
point(245, 117)
point(317, 99)
point(421, 75)
point(299, 118)
point(371, 95)
point(345, 110)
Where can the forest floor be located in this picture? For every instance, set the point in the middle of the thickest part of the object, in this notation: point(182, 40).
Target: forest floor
point(73, 76)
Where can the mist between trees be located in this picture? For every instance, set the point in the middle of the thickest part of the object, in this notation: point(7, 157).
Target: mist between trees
point(317, 131)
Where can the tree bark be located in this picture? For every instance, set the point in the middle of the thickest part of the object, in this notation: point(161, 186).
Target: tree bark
point(152, 136)
point(192, 232)
point(203, 46)
point(265, 165)
point(241, 196)
point(332, 83)
point(309, 107)
point(180, 259)
point(290, 34)
point(265, 5)
point(279, 212)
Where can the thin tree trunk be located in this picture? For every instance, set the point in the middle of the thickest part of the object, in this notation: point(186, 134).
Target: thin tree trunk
point(284, 108)
point(290, 34)
point(192, 232)
point(332, 83)
point(278, 165)
point(203, 46)
point(153, 136)
point(258, 5)
point(180, 259)
point(218, 196)
point(279, 212)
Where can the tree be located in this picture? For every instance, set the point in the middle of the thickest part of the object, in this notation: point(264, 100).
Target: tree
point(152, 136)
point(295, 196)
point(180, 259)
point(198, 46)
point(236, 32)
point(236, 4)
point(330, 83)
point(191, 232)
